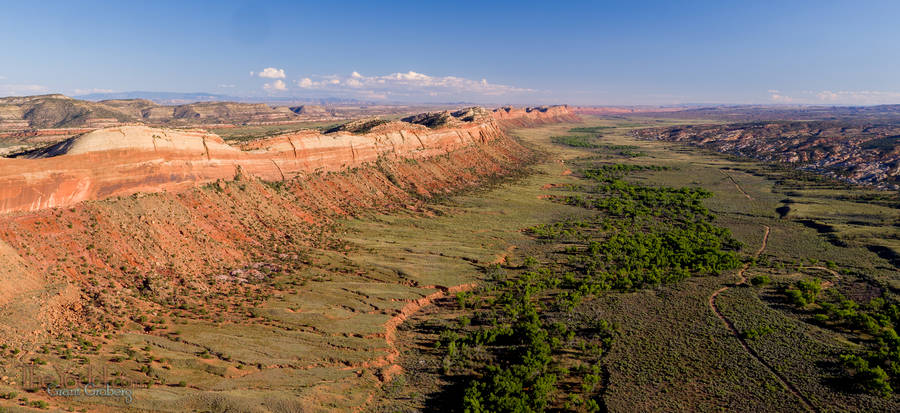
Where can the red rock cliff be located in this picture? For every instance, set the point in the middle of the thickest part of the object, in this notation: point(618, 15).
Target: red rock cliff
point(125, 160)
point(525, 117)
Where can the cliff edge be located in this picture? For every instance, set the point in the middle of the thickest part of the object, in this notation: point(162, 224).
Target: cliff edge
point(125, 160)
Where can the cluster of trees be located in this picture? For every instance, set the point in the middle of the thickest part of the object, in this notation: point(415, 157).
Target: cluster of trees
point(657, 254)
point(512, 323)
point(577, 141)
point(512, 348)
point(590, 129)
point(804, 292)
point(523, 381)
point(652, 235)
point(866, 378)
point(877, 370)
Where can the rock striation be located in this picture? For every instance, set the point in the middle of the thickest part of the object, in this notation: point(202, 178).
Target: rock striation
point(526, 117)
point(203, 214)
point(859, 152)
point(125, 160)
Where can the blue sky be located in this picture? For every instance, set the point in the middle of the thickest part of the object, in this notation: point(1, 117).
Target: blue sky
point(620, 52)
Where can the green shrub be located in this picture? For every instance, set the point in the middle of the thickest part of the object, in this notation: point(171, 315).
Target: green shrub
point(872, 380)
point(804, 292)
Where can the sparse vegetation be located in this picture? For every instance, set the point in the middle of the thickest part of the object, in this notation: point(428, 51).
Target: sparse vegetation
point(610, 279)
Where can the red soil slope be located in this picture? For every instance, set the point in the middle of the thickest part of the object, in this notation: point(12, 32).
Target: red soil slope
point(80, 262)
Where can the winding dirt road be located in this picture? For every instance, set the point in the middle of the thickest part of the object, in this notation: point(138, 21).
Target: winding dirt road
point(743, 280)
point(737, 185)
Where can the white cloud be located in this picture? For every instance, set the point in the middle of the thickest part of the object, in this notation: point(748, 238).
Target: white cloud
point(409, 85)
point(780, 98)
point(226, 86)
point(90, 91)
point(844, 97)
point(22, 90)
point(271, 73)
point(860, 97)
point(2, 77)
point(275, 86)
point(827, 95)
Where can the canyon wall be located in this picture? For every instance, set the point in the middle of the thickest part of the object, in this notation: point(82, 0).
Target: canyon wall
point(125, 160)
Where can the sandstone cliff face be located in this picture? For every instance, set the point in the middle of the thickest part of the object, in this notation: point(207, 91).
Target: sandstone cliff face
point(526, 117)
point(178, 240)
point(126, 160)
point(78, 265)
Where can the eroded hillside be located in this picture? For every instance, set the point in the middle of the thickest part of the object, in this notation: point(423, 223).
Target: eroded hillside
point(125, 160)
point(59, 111)
point(256, 197)
point(859, 152)
point(176, 238)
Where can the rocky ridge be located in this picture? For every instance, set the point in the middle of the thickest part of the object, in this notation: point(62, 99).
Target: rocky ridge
point(125, 160)
point(865, 153)
point(59, 111)
point(167, 208)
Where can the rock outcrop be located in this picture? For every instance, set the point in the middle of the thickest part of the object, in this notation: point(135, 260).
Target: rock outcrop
point(526, 117)
point(179, 244)
point(125, 160)
point(859, 152)
point(315, 110)
point(447, 118)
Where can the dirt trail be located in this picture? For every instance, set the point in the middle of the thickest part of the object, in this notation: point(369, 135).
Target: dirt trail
point(390, 335)
point(737, 185)
point(712, 304)
point(388, 363)
point(828, 270)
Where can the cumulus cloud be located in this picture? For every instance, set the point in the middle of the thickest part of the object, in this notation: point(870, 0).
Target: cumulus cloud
point(90, 91)
point(778, 97)
point(276, 86)
point(270, 73)
point(406, 84)
point(21, 90)
point(827, 95)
